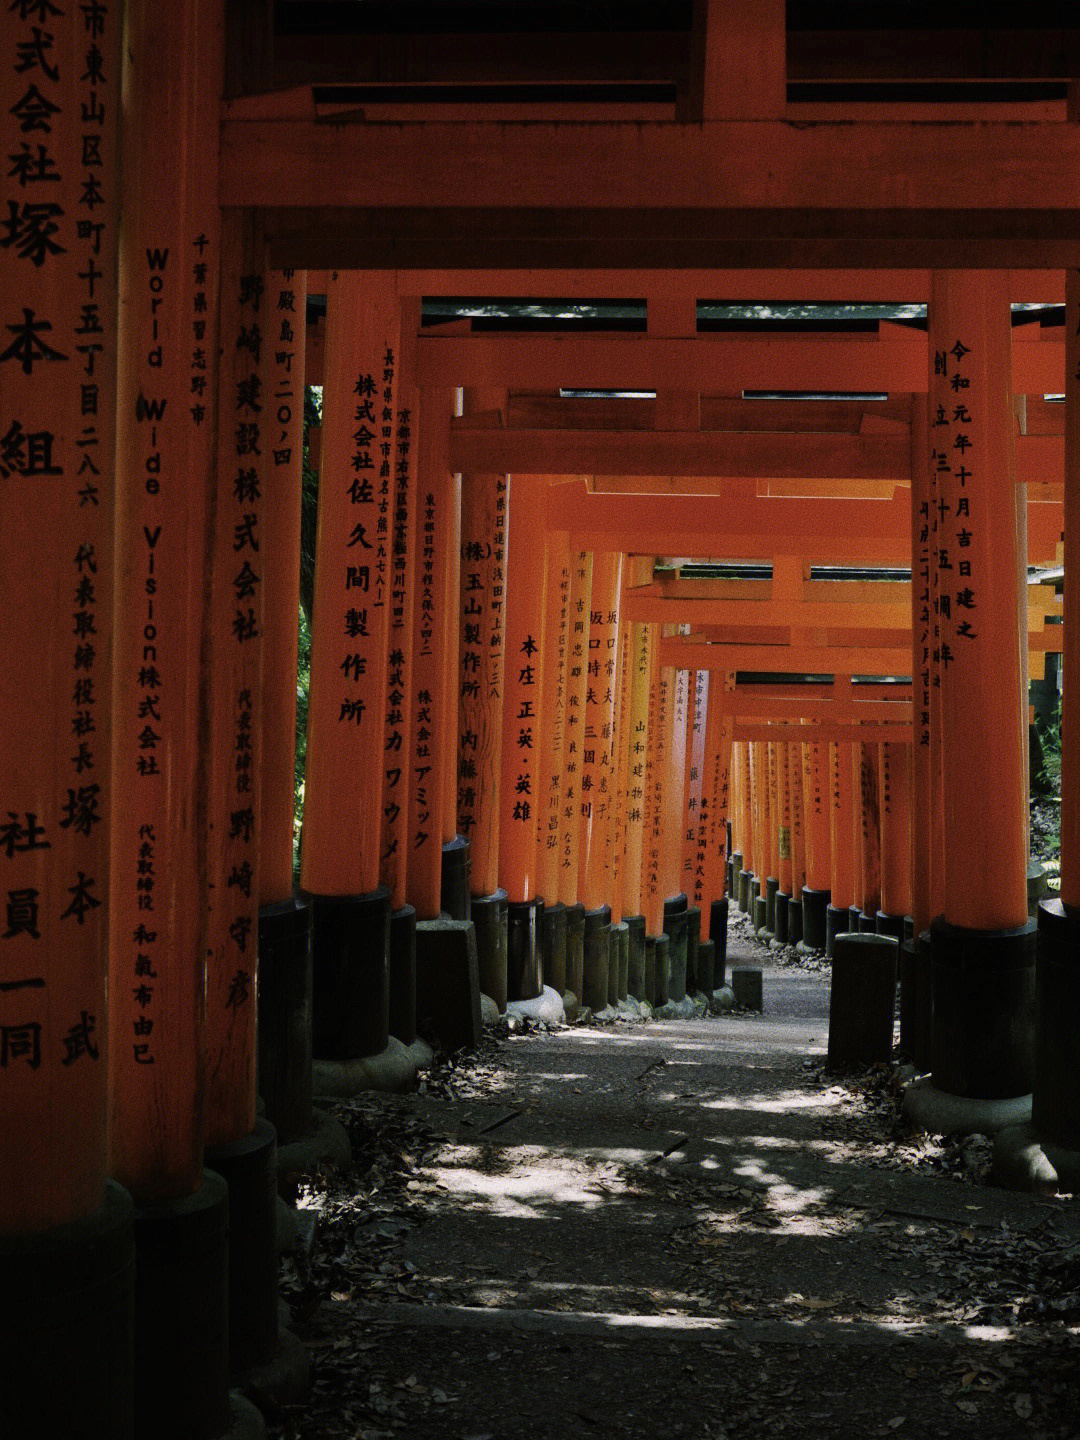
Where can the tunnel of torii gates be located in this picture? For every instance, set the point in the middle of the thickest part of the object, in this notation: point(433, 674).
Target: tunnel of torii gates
point(587, 654)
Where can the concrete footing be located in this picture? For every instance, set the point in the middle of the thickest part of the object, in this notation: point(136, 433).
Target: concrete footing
point(394, 1068)
point(1023, 1162)
point(281, 1378)
point(324, 1143)
point(941, 1113)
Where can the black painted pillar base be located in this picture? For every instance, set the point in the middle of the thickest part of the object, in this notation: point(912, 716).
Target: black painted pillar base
point(403, 974)
point(618, 963)
point(693, 944)
point(489, 917)
point(837, 920)
point(772, 886)
point(921, 1052)
point(760, 914)
point(524, 949)
point(284, 1016)
point(662, 972)
point(249, 1168)
point(780, 917)
point(854, 920)
point(893, 925)
point(650, 970)
point(1055, 1101)
point(734, 866)
point(456, 869)
point(706, 976)
point(554, 936)
point(982, 1039)
point(794, 920)
point(815, 903)
point(67, 1326)
point(635, 958)
point(182, 1315)
point(718, 922)
point(675, 908)
point(350, 944)
point(597, 945)
point(868, 923)
point(908, 953)
point(575, 948)
point(745, 893)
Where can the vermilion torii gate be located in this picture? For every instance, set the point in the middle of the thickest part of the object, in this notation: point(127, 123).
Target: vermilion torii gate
point(150, 382)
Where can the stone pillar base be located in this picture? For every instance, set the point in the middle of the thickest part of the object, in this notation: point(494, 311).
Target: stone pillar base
point(67, 1329)
point(575, 948)
point(1055, 1111)
point(942, 1113)
point(447, 983)
point(862, 1000)
point(734, 866)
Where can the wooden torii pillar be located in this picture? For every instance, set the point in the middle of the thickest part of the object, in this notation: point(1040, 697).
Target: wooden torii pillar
point(341, 842)
point(64, 1227)
point(983, 947)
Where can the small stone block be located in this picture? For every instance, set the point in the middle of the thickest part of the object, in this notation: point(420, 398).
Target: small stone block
point(746, 986)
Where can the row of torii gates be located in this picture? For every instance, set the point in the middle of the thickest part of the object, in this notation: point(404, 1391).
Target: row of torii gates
point(500, 670)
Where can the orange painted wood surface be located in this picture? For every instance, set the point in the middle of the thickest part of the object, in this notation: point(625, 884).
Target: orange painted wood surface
point(435, 701)
point(404, 524)
point(817, 815)
point(341, 845)
point(1070, 701)
point(236, 640)
point(896, 848)
point(168, 304)
point(597, 817)
point(984, 704)
point(523, 698)
point(636, 744)
point(842, 822)
point(283, 338)
point(549, 820)
point(58, 371)
point(581, 569)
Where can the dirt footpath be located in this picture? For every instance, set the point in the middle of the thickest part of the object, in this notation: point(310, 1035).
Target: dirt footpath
point(676, 1229)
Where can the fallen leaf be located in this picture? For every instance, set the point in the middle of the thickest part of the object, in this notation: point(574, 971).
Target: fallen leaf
point(1022, 1406)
